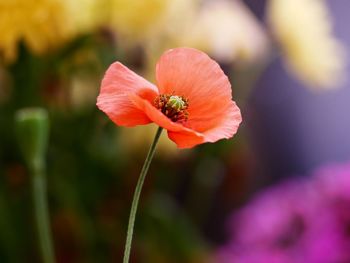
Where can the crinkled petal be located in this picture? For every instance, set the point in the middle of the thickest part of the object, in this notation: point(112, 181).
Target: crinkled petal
point(227, 127)
point(191, 73)
point(185, 139)
point(224, 130)
point(118, 83)
point(181, 135)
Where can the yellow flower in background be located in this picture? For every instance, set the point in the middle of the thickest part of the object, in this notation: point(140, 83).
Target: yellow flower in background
point(135, 18)
point(84, 15)
point(40, 24)
point(303, 28)
point(228, 31)
point(151, 23)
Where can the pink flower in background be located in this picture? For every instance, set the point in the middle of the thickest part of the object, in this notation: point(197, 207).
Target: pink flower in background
point(300, 221)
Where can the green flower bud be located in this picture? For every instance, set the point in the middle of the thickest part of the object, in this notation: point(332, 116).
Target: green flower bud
point(32, 128)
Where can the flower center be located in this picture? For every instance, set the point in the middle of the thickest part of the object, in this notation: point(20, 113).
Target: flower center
point(172, 106)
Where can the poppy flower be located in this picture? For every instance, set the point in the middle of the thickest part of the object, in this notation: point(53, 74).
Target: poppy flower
point(192, 99)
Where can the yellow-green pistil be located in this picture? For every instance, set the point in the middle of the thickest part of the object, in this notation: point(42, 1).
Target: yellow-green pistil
point(172, 106)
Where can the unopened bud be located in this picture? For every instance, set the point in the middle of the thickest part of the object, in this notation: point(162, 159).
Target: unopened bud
point(32, 127)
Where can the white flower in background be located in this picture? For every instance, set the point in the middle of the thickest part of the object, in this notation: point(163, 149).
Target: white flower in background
point(228, 31)
point(303, 29)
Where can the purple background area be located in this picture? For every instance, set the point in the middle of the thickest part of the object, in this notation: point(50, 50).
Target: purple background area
point(293, 128)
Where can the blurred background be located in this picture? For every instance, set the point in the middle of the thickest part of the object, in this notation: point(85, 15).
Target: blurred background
point(256, 198)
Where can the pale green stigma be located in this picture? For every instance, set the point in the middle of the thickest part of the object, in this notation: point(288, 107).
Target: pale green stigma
point(177, 103)
point(172, 106)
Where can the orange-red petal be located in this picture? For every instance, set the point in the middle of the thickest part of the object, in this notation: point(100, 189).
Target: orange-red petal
point(118, 83)
point(227, 127)
point(191, 73)
point(185, 139)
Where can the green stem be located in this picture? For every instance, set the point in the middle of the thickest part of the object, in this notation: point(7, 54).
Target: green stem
point(137, 193)
point(41, 211)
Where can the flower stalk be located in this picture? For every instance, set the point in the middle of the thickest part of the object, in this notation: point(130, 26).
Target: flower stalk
point(137, 194)
point(32, 127)
point(42, 211)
